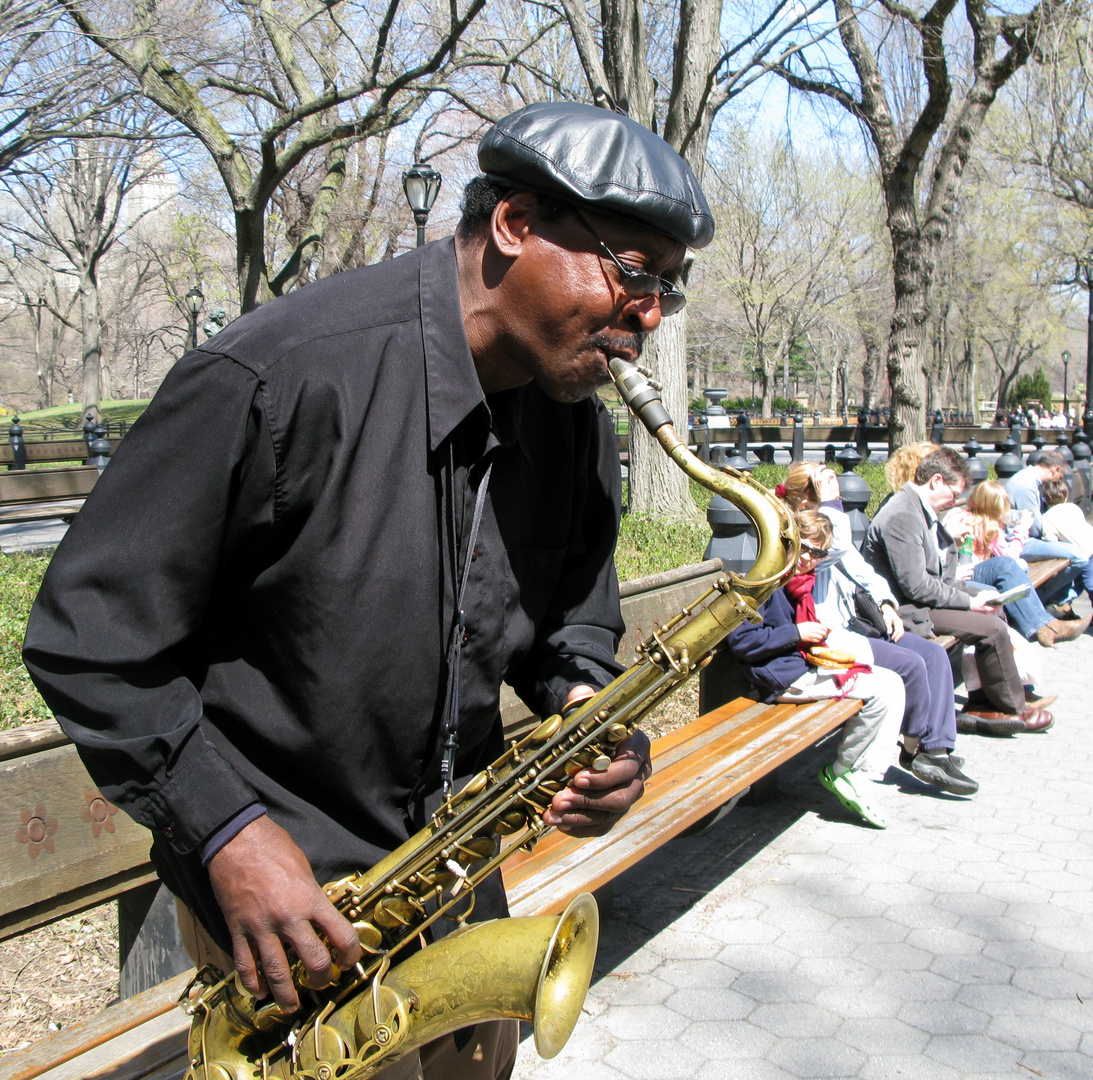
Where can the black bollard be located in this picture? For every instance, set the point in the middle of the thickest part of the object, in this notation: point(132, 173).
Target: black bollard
point(797, 451)
point(937, 433)
point(743, 435)
point(976, 467)
point(18, 447)
point(89, 426)
point(1010, 462)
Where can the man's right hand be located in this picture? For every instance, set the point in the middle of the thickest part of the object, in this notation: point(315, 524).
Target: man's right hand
point(980, 605)
point(269, 896)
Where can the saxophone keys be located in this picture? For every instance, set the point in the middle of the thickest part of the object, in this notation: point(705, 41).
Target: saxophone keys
point(616, 733)
point(392, 912)
point(369, 937)
point(600, 763)
point(546, 730)
point(511, 822)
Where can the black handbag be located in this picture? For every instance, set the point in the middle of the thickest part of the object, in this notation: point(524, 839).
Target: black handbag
point(869, 621)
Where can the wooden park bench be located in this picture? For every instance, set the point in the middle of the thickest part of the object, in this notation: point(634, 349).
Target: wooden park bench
point(39, 494)
point(61, 855)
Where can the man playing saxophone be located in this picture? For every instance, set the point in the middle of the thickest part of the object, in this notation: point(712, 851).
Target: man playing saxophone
point(278, 628)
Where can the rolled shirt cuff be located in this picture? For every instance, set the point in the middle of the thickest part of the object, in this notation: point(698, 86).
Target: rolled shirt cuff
point(230, 830)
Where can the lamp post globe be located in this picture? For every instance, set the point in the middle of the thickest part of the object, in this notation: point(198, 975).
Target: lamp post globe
point(421, 185)
point(194, 299)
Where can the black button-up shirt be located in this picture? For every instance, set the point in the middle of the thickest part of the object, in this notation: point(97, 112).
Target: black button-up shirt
point(256, 601)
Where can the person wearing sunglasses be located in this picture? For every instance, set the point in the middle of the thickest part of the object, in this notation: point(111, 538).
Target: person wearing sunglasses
point(302, 627)
point(929, 725)
point(795, 655)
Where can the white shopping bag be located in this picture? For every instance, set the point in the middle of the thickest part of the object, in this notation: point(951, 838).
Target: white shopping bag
point(1025, 654)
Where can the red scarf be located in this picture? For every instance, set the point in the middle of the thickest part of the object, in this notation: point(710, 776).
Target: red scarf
point(799, 590)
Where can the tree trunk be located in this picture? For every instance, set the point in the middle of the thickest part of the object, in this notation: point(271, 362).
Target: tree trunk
point(657, 486)
point(906, 373)
point(92, 352)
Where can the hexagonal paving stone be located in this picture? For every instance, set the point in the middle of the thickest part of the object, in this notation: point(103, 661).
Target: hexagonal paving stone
point(858, 1002)
point(944, 1018)
point(893, 956)
point(704, 973)
point(796, 1020)
point(1022, 954)
point(727, 1039)
point(1060, 1066)
point(971, 969)
point(900, 1067)
point(808, 1058)
point(882, 1035)
point(656, 1059)
point(633, 1022)
point(710, 1003)
point(742, 1069)
point(746, 958)
point(974, 1055)
point(640, 990)
point(919, 986)
point(1030, 1033)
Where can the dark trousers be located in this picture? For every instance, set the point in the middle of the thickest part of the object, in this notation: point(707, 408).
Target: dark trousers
point(927, 675)
point(989, 636)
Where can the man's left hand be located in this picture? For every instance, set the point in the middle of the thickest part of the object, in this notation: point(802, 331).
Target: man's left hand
point(594, 801)
point(892, 622)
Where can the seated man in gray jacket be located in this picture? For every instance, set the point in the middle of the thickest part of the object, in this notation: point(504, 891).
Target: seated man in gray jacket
point(910, 547)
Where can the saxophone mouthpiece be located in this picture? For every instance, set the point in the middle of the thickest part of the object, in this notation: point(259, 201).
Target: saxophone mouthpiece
point(640, 393)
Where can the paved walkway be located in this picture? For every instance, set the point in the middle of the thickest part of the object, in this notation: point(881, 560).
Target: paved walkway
point(788, 941)
point(32, 535)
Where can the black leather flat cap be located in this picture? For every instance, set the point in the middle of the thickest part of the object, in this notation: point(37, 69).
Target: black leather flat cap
point(603, 160)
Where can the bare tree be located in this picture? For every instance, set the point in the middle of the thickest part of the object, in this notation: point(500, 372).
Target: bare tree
point(261, 85)
point(933, 121)
point(675, 80)
point(70, 218)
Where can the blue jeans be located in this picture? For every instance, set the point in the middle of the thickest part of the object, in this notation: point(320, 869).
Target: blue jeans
point(1037, 550)
point(1003, 573)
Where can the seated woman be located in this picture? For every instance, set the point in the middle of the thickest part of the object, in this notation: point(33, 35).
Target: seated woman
point(929, 722)
point(787, 658)
point(996, 546)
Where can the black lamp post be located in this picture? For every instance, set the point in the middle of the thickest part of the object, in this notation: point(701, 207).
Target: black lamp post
point(1066, 399)
point(1087, 416)
point(843, 372)
point(194, 299)
point(422, 185)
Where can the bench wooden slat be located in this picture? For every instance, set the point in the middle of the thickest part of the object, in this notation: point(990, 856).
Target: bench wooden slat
point(677, 795)
point(119, 1032)
point(65, 848)
point(1040, 572)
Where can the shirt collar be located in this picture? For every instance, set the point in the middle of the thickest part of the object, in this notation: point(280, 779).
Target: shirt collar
point(452, 387)
point(931, 513)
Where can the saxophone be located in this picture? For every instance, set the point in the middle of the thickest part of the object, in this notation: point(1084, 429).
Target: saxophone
point(404, 993)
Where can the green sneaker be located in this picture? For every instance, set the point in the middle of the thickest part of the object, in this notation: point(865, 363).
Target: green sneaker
point(844, 789)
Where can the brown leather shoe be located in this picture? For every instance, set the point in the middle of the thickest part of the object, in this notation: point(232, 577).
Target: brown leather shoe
point(979, 722)
point(1037, 719)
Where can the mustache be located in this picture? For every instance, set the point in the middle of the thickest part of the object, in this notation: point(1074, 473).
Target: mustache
point(621, 342)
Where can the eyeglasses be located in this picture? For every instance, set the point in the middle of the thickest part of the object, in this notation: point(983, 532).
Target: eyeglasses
point(815, 552)
point(638, 284)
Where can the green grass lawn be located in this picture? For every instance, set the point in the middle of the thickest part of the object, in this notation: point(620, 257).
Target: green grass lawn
point(646, 546)
point(71, 417)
